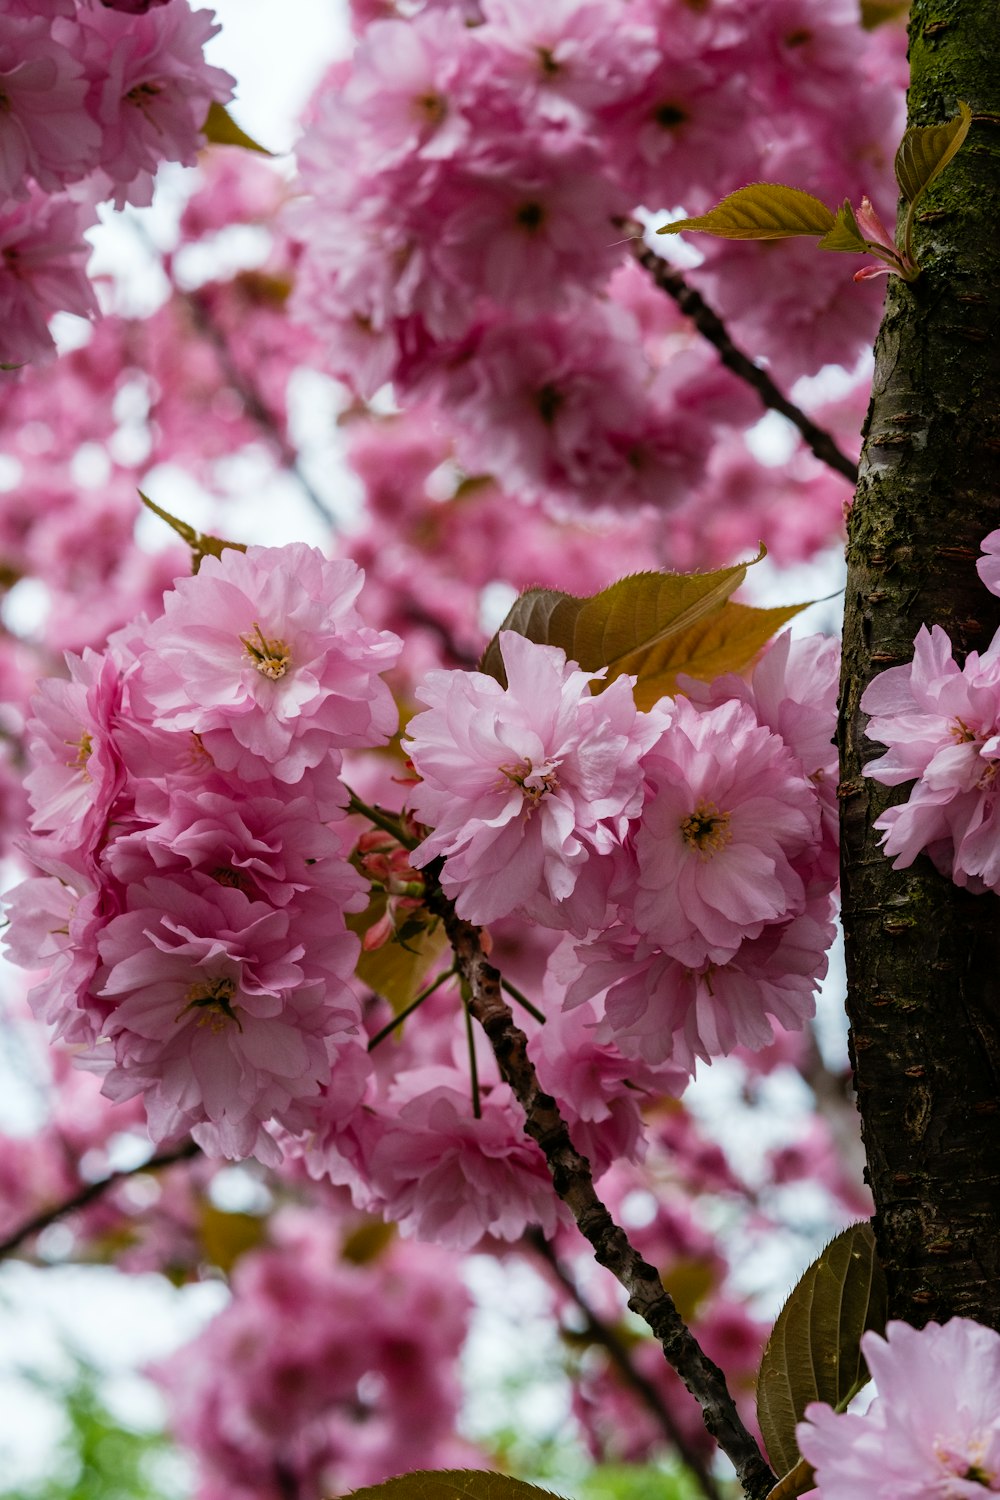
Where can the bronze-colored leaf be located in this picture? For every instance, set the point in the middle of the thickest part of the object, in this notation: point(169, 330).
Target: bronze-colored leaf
point(396, 970)
point(220, 129)
point(814, 1352)
point(845, 234)
point(762, 211)
point(453, 1484)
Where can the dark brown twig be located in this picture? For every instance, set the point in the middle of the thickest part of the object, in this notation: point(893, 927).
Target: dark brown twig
point(708, 323)
point(599, 1332)
point(571, 1177)
point(90, 1194)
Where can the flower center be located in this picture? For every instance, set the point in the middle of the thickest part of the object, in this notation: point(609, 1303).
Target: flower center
point(213, 998)
point(83, 747)
point(431, 108)
point(271, 658)
point(706, 829)
point(960, 732)
point(534, 784)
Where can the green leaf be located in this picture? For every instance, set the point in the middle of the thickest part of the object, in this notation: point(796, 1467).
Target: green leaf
point(814, 1351)
point(396, 970)
point(845, 234)
point(762, 211)
point(220, 129)
point(926, 150)
point(453, 1484)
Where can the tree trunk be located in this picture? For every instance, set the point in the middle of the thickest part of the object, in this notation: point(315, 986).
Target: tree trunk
point(923, 957)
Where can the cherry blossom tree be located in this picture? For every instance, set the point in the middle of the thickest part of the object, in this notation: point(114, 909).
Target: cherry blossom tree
point(426, 872)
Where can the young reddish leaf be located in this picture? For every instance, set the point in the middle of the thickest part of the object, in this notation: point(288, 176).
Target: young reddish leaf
point(845, 234)
point(618, 627)
point(220, 129)
point(762, 211)
point(453, 1484)
point(926, 150)
point(814, 1352)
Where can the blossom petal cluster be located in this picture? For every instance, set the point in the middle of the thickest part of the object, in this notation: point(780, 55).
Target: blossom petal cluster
point(940, 724)
point(95, 95)
point(933, 1430)
point(193, 893)
point(693, 846)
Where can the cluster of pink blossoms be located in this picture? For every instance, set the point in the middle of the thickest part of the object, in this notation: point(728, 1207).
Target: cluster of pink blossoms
point(933, 1430)
point(694, 846)
point(94, 94)
point(940, 723)
point(323, 1374)
point(193, 896)
point(471, 173)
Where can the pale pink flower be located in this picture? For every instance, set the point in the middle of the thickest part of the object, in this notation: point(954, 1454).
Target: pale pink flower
point(45, 131)
point(42, 271)
point(78, 770)
point(727, 817)
point(444, 1175)
point(941, 723)
point(662, 1011)
point(219, 1015)
point(933, 1430)
point(151, 89)
point(988, 566)
point(263, 655)
point(522, 785)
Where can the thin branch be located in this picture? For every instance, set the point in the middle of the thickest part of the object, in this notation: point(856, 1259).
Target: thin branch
point(90, 1194)
point(601, 1333)
point(571, 1177)
point(711, 326)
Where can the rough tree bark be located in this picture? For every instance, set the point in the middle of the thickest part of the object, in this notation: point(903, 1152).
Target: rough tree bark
point(923, 957)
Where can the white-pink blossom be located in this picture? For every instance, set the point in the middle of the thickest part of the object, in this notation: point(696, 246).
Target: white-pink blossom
point(522, 786)
point(728, 816)
point(933, 1430)
point(941, 724)
point(264, 656)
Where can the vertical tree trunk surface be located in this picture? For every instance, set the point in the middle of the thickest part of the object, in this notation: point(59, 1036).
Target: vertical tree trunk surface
point(923, 957)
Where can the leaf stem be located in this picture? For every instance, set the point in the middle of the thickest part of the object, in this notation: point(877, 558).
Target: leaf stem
point(523, 1001)
point(408, 1010)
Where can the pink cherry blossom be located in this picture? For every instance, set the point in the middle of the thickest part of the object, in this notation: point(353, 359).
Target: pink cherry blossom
point(263, 655)
point(988, 566)
point(443, 1174)
point(728, 815)
point(42, 261)
point(150, 89)
point(45, 131)
point(932, 1431)
point(221, 1013)
point(522, 785)
point(941, 724)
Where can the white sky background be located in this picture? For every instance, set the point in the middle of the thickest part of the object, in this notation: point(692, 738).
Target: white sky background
point(277, 50)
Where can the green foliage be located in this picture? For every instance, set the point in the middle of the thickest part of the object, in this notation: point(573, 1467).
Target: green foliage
point(814, 1351)
point(98, 1459)
point(926, 150)
point(396, 970)
point(220, 129)
point(638, 1482)
point(652, 626)
point(762, 211)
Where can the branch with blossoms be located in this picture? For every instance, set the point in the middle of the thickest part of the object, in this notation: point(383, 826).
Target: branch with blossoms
point(708, 323)
point(574, 1184)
